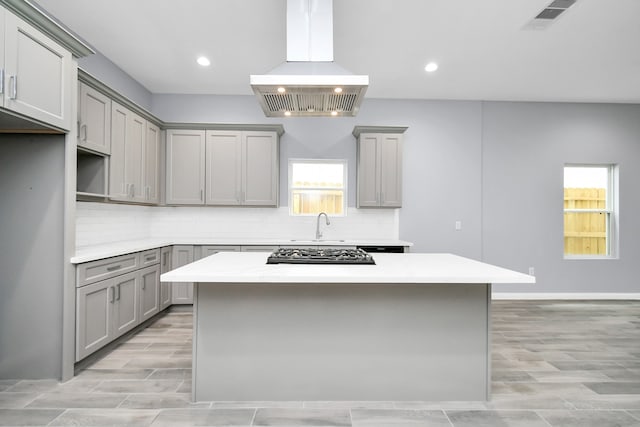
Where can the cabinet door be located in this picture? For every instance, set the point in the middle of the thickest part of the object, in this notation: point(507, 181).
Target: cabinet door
point(119, 189)
point(259, 248)
point(3, 84)
point(368, 165)
point(165, 287)
point(182, 293)
point(94, 308)
point(149, 290)
point(151, 163)
point(94, 110)
point(260, 169)
point(134, 156)
point(126, 306)
point(390, 147)
point(208, 250)
point(38, 72)
point(224, 168)
point(185, 167)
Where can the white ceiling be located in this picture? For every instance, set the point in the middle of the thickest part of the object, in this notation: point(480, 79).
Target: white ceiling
point(591, 53)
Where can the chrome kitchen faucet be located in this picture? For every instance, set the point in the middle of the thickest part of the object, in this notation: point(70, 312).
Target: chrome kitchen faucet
point(318, 232)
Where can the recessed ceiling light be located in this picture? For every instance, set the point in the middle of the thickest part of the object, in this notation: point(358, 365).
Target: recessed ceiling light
point(203, 61)
point(431, 67)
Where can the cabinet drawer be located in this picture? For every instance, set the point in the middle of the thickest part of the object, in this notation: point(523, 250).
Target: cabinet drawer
point(91, 272)
point(150, 257)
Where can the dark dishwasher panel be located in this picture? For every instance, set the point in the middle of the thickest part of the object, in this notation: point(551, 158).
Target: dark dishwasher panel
point(382, 249)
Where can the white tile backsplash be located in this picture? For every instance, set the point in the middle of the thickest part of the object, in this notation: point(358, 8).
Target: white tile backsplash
point(99, 223)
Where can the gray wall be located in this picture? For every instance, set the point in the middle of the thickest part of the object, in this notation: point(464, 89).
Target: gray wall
point(113, 76)
point(496, 167)
point(525, 146)
point(31, 255)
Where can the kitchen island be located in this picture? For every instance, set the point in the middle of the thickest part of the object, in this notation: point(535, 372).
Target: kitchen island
point(411, 327)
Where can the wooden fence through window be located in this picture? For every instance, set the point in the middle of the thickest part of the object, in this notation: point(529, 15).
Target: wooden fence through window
point(585, 233)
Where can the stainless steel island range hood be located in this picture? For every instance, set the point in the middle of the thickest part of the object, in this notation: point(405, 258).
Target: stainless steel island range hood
point(309, 84)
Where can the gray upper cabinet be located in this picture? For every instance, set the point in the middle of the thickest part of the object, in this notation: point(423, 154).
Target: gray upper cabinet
point(185, 172)
point(38, 73)
point(224, 168)
point(260, 170)
point(379, 175)
point(133, 166)
point(151, 179)
point(94, 119)
point(242, 168)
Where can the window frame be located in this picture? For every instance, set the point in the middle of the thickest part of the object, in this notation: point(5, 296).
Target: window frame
point(610, 210)
point(290, 187)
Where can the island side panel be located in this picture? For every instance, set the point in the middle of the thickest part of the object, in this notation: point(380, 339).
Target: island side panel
point(341, 342)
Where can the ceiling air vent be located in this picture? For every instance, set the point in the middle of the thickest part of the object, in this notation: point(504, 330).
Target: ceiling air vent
point(547, 16)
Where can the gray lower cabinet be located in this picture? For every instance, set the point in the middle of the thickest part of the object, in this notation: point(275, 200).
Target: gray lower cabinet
point(149, 292)
point(105, 310)
point(94, 317)
point(258, 248)
point(182, 293)
point(113, 296)
point(165, 288)
point(126, 303)
point(207, 250)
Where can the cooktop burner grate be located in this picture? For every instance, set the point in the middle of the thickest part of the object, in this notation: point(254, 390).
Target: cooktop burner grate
point(319, 256)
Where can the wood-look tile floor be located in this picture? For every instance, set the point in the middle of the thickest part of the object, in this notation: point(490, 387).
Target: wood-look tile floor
point(555, 363)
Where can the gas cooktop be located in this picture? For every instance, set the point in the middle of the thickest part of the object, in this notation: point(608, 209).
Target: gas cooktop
point(319, 256)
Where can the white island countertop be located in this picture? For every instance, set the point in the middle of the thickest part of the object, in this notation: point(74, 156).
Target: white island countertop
point(251, 267)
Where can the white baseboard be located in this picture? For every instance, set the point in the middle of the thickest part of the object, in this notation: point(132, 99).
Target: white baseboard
point(564, 296)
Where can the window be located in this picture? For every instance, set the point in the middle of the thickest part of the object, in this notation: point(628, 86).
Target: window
point(589, 214)
point(317, 186)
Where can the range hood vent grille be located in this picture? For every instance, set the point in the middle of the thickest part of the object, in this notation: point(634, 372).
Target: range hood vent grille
point(309, 102)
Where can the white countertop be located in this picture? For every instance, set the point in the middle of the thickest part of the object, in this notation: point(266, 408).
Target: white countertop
point(92, 253)
point(251, 267)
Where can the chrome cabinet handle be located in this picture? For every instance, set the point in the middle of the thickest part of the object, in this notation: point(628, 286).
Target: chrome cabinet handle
point(144, 285)
point(84, 137)
point(111, 292)
point(13, 86)
point(150, 258)
point(2, 81)
point(118, 293)
point(114, 267)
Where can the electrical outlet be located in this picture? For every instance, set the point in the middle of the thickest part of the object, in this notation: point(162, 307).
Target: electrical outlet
point(458, 225)
point(532, 271)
